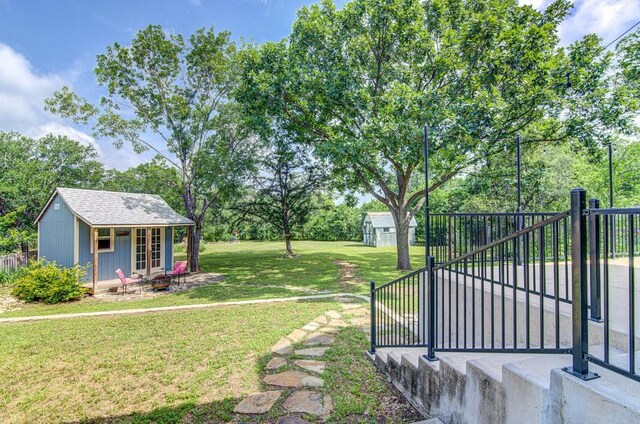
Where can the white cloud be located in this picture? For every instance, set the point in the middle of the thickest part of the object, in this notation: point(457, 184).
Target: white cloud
point(22, 95)
point(22, 91)
point(606, 18)
point(56, 128)
point(536, 4)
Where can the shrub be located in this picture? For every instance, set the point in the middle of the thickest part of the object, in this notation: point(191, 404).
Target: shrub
point(7, 276)
point(49, 283)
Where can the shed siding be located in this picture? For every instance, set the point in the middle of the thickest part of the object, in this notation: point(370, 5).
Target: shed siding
point(168, 248)
point(368, 232)
point(108, 262)
point(56, 233)
point(376, 237)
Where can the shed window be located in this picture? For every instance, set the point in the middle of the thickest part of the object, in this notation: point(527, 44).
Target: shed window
point(385, 230)
point(105, 240)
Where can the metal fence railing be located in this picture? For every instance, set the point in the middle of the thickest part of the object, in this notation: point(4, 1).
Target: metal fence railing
point(397, 318)
point(504, 296)
point(455, 234)
point(536, 283)
point(612, 273)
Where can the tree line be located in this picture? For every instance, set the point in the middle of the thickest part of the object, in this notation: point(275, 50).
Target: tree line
point(339, 104)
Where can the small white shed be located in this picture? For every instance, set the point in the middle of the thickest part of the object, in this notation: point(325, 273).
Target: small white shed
point(379, 230)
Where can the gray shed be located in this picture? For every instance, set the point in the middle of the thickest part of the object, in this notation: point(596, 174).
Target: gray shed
point(379, 230)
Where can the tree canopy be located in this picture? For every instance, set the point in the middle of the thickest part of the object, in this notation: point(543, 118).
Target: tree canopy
point(31, 169)
point(172, 95)
point(284, 186)
point(362, 80)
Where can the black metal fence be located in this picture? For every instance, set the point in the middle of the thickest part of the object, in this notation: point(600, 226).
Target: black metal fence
point(397, 318)
point(537, 283)
point(614, 240)
point(455, 234)
point(504, 296)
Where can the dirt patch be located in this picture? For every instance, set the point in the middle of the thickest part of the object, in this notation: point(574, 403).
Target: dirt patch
point(348, 275)
point(9, 303)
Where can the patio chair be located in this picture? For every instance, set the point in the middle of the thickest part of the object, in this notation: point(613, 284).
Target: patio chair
point(127, 281)
point(179, 269)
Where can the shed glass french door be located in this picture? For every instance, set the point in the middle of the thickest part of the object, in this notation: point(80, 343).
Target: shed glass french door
point(140, 258)
point(156, 248)
point(140, 253)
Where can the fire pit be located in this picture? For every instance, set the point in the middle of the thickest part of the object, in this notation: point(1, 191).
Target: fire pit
point(161, 282)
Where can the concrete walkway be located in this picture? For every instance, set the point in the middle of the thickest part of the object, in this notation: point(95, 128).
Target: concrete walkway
point(178, 308)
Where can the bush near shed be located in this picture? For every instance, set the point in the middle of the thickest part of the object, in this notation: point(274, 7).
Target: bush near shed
point(47, 282)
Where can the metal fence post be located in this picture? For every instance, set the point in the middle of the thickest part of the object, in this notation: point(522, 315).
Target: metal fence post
point(431, 295)
point(373, 317)
point(594, 262)
point(580, 366)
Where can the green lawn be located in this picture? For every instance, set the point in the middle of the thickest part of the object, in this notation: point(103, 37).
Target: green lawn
point(189, 366)
point(256, 270)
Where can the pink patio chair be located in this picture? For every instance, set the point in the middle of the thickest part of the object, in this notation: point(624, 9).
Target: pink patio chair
point(179, 269)
point(127, 281)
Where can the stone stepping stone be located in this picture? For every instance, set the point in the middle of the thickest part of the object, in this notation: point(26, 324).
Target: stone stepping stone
point(293, 379)
point(312, 351)
point(333, 314)
point(258, 403)
point(292, 420)
point(311, 365)
point(297, 335)
point(328, 330)
point(338, 323)
point(361, 321)
point(309, 402)
point(276, 363)
point(319, 339)
point(312, 326)
point(283, 347)
point(321, 319)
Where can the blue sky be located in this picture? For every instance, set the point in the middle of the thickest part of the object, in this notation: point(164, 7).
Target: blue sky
point(45, 44)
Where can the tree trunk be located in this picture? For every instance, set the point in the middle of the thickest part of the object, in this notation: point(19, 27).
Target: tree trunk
point(195, 246)
point(193, 243)
point(287, 241)
point(402, 243)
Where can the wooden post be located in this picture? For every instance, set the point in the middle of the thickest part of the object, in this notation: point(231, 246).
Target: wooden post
point(95, 261)
point(148, 251)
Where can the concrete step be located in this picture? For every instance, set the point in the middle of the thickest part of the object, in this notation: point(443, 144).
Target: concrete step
point(435, 420)
point(612, 398)
point(492, 388)
point(491, 366)
point(530, 379)
point(413, 357)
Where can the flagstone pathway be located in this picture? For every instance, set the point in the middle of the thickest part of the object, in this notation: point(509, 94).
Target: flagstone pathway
point(296, 368)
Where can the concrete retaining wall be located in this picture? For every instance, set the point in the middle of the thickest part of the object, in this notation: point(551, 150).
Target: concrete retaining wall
point(488, 388)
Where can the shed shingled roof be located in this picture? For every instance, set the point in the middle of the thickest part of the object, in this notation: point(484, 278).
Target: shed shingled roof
point(112, 208)
point(385, 220)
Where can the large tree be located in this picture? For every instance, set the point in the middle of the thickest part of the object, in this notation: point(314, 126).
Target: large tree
point(30, 170)
point(171, 95)
point(284, 186)
point(361, 81)
point(155, 177)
